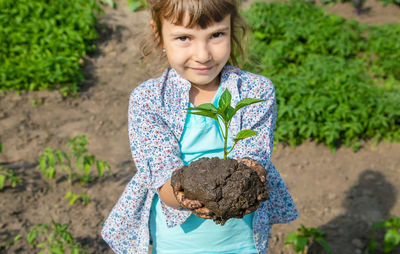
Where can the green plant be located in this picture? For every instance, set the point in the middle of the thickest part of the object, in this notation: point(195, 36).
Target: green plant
point(8, 244)
point(305, 236)
point(42, 43)
point(134, 5)
point(328, 74)
point(109, 2)
point(77, 164)
point(392, 235)
point(225, 113)
point(7, 174)
point(54, 239)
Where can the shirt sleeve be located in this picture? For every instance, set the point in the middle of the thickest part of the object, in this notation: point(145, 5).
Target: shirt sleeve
point(154, 147)
point(261, 117)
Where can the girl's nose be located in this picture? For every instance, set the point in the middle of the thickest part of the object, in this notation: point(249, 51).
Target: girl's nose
point(201, 53)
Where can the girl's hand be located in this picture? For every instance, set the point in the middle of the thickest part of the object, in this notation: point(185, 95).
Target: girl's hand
point(256, 166)
point(261, 172)
point(195, 206)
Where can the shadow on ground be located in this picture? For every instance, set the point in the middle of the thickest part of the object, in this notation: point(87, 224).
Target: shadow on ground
point(366, 203)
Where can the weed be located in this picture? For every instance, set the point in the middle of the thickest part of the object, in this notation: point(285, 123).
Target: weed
point(392, 235)
point(54, 239)
point(6, 245)
point(76, 164)
point(305, 236)
point(7, 174)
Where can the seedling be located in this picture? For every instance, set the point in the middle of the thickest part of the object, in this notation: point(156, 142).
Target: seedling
point(77, 165)
point(54, 239)
point(7, 174)
point(392, 235)
point(224, 113)
point(305, 236)
point(8, 244)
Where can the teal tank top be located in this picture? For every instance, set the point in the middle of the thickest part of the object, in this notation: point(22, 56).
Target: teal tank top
point(201, 137)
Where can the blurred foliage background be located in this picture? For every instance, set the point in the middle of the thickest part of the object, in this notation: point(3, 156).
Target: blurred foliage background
point(337, 81)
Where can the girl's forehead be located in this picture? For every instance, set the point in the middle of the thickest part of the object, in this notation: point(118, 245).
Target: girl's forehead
point(186, 23)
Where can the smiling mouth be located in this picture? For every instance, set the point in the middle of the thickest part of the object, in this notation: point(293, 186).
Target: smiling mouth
point(202, 69)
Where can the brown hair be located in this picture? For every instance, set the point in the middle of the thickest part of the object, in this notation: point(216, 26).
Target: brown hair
point(201, 13)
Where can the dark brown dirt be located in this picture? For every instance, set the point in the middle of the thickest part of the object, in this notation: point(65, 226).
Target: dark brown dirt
point(227, 188)
point(334, 192)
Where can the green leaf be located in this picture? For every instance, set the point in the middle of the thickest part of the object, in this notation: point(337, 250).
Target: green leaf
point(59, 155)
point(300, 243)
point(72, 198)
point(134, 6)
point(323, 243)
point(50, 173)
point(17, 238)
point(377, 225)
point(88, 160)
point(32, 236)
point(111, 3)
point(244, 134)
point(372, 246)
point(224, 101)
point(291, 237)
point(391, 240)
point(85, 198)
point(2, 181)
point(245, 102)
point(51, 159)
point(205, 106)
point(57, 250)
point(1, 147)
point(205, 113)
point(100, 168)
point(230, 112)
point(42, 163)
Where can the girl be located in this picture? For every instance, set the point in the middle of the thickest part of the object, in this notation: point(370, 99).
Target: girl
point(199, 38)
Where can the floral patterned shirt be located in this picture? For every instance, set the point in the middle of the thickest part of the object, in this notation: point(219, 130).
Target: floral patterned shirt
point(156, 120)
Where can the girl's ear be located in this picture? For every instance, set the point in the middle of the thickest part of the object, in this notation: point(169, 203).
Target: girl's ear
point(154, 29)
point(153, 26)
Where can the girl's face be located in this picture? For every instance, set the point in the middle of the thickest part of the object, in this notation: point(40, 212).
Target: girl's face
point(197, 54)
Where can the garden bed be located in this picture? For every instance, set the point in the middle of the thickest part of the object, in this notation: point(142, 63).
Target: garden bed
point(342, 193)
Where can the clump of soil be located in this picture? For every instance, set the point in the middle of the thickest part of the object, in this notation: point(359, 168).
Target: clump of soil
point(227, 188)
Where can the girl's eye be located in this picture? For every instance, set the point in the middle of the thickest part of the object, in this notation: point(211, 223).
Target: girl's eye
point(183, 38)
point(218, 34)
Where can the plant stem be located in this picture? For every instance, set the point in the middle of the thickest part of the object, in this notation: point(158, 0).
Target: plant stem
point(226, 142)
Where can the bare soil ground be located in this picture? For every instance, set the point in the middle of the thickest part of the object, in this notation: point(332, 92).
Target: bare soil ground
point(342, 193)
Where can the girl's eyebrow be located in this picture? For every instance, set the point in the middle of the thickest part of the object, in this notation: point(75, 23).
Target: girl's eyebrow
point(189, 31)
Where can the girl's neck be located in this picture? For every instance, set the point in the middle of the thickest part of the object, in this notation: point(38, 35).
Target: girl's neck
point(203, 94)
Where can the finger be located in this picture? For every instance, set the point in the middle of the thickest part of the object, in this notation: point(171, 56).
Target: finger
point(193, 204)
point(178, 186)
point(203, 210)
point(251, 209)
point(262, 178)
point(180, 196)
point(203, 216)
